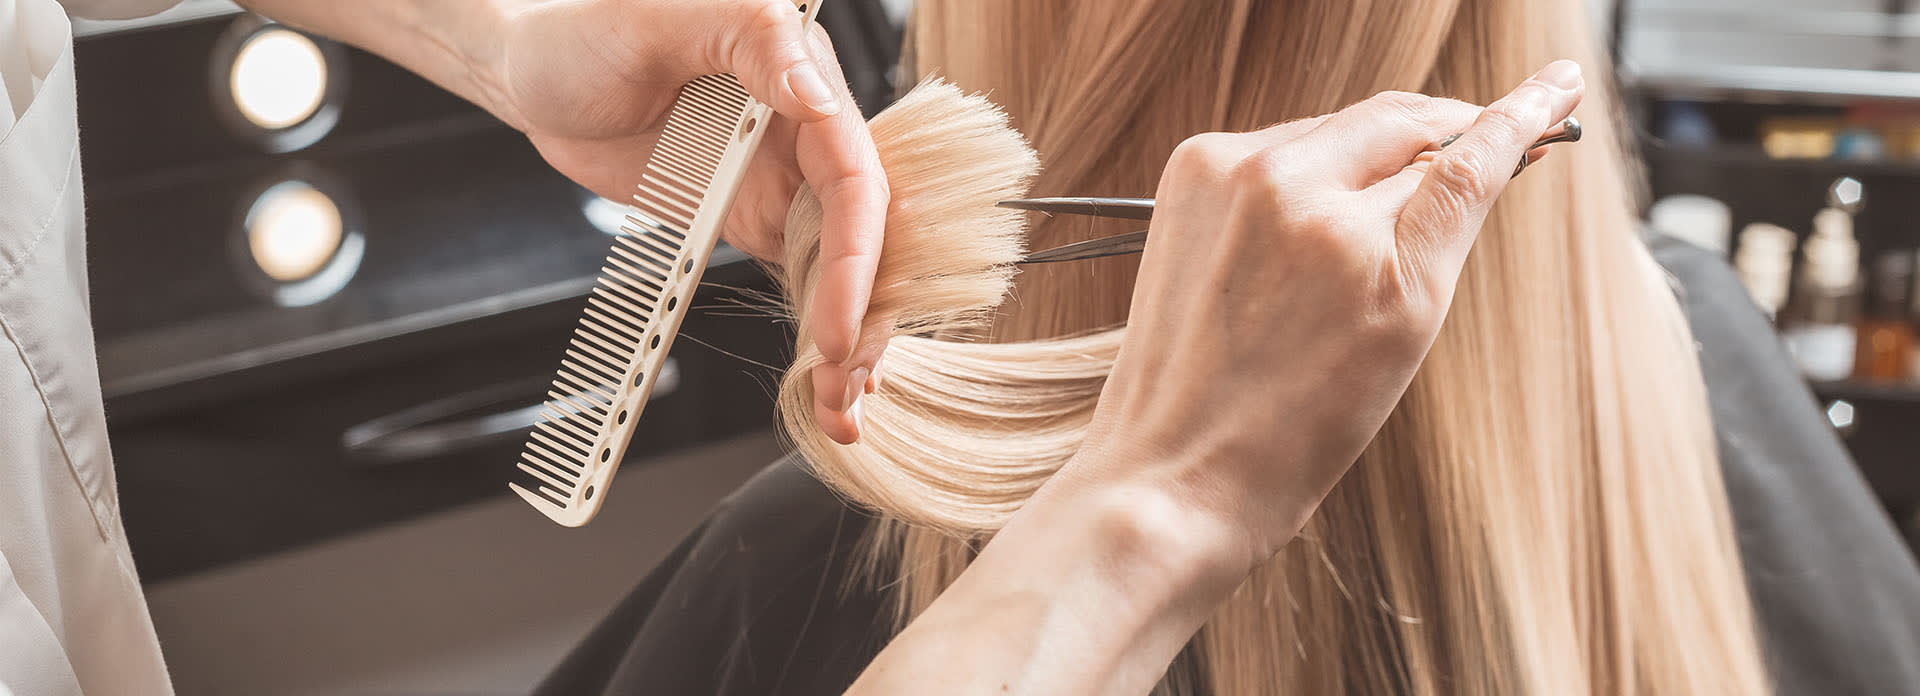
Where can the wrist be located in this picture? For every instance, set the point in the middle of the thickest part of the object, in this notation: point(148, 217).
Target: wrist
point(471, 37)
point(1125, 575)
point(1228, 485)
point(1151, 538)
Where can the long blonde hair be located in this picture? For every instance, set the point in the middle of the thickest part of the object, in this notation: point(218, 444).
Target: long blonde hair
point(1543, 512)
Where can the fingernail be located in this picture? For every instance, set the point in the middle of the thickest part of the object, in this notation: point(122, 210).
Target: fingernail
point(858, 416)
point(856, 385)
point(1564, 74)
point(811, 87)
point(879, 374)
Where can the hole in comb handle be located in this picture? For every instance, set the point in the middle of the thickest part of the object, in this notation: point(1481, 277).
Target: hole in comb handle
point(588, 494)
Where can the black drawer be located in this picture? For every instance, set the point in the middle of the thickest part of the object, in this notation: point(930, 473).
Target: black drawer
point(354, 439)
point(1884, 436)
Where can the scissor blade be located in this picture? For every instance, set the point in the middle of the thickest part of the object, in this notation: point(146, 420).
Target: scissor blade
point(1124, 208)
point(1129, 243)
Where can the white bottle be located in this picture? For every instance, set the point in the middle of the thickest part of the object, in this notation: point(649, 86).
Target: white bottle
point(1765, 264)
point(1697, 220)
point(1819, 326)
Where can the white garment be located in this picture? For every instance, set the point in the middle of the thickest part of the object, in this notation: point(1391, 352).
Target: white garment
point(72, 616)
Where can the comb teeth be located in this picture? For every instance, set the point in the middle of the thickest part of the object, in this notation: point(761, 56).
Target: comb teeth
point(636, 304)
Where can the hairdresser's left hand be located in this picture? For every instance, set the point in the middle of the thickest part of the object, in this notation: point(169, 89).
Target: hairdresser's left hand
point(590, 83)
point(1294, 281)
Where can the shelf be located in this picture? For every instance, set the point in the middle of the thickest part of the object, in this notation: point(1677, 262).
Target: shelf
point(1869, 392)
point(1773, 83)
point(1843, 23)
point(187, 11)
point(1751, 156)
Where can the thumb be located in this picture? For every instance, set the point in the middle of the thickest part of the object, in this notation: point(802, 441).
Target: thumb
point(765, 43)
point(1459, 186)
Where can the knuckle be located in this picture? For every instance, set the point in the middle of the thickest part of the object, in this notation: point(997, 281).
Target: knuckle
point(1463, 174)
point(770, 17)
point(763, 31)
point(1206, 153)
point(1504, 119)
point(1516, 115)
point(1262, 172)
point(855, 189)
point(1413, 105)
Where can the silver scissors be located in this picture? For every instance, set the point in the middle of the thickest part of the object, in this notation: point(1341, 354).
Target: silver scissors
point(1142, 208)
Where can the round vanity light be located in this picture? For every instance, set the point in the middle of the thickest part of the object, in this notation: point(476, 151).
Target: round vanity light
point(298, 241)
point(278, 78)
point(293, 230)
point(276, 86)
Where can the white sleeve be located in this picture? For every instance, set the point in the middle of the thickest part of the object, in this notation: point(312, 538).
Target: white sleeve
point(115, 9)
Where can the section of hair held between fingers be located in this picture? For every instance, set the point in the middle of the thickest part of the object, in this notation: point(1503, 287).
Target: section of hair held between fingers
point(946, 264)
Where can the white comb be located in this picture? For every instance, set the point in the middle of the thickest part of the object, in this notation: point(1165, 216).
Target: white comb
point(641, 295)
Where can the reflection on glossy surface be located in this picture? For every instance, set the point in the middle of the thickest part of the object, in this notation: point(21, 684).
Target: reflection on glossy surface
point(299, 239)
point(279, 78)
point(1840, 414)
point(330, 280)
point(292, 230)
point(1847, 194)
point(605, 215)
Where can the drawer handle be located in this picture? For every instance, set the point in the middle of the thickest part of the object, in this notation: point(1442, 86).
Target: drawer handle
point(438, 427)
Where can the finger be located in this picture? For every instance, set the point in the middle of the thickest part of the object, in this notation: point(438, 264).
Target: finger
point(836, 411)
point(764, 43)
point(839, 390)
point(1374, 139)
point(1394, 191)
point(1443, 215)
point(838, 159)
point(839, 394)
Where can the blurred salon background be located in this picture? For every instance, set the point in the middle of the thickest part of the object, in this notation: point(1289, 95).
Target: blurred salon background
point(329, 297)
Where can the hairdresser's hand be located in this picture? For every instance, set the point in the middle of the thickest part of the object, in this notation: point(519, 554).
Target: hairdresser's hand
point(1293, 283)
point(590, 82)
point(1294, 280)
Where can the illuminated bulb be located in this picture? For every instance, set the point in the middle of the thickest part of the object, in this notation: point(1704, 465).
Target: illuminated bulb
point(279, 78)
point(293, 230)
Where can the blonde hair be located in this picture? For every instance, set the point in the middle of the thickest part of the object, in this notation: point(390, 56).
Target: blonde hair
point(1543, 512)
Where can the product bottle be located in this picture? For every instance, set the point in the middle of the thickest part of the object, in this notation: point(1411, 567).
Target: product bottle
point(1697, 220)
point(1765, 264)
point(1818, 327)
point(1913, 316)
point(1886, 335)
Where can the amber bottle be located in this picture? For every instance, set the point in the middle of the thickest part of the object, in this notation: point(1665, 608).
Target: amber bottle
point(1886, 332)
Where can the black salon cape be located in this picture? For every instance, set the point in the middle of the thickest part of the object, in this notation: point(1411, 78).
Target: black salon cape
point(757, 600)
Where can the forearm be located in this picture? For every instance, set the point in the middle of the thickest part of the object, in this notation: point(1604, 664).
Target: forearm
point(454, 43)
point(1079, 594)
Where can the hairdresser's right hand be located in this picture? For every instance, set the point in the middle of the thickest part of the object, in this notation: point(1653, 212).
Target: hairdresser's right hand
point(1294, 280)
